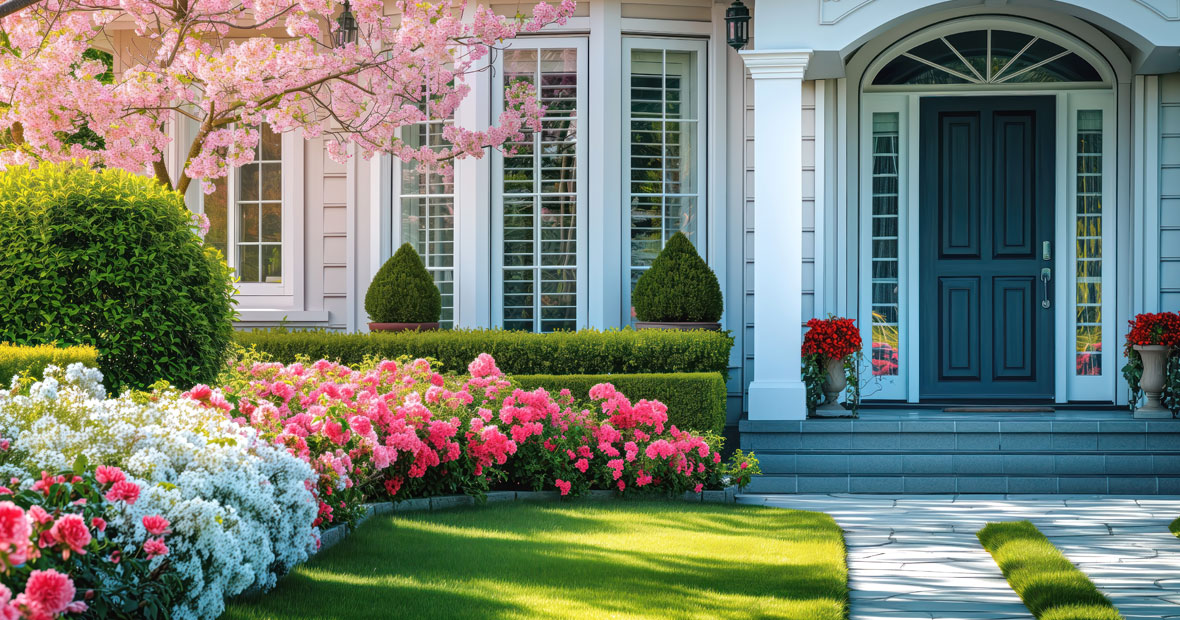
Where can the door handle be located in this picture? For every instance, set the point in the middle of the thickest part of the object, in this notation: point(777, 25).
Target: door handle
point(1046, 275)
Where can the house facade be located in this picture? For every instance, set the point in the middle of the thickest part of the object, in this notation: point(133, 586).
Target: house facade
point(991, 188)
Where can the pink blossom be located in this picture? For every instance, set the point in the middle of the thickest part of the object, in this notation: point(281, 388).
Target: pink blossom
point(71, 531)
point(47, 593)
point(123, 490)
point(155, 547)
point(563, 486)
point(155, 525)
point(105, 474)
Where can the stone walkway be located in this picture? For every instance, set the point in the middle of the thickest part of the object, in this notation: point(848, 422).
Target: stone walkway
point(917, 557)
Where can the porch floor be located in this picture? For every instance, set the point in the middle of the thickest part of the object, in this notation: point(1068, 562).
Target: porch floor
point(870, 414)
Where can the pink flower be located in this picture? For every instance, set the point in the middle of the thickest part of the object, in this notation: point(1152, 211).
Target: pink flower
point(71, 530)
point(14, 527)
point(698, 488)
point(99, 524)
point(564, 486)
point(154, 547)
point(38, 515)
point(105, 474)
point(581, 465)
point(155, 525)
point(47, 592)
point(116, 555)
point(126, 491)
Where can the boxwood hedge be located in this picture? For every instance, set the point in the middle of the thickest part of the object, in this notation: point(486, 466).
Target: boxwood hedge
point(585, 352)
point(32, 360)
point(695, 400)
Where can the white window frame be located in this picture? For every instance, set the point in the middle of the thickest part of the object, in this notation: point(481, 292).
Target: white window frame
point(396, 240)
point(288, 294)
point(701, 48)
point(580, 44)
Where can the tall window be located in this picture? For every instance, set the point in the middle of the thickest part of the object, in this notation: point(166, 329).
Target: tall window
point(1088, 336)
point(428, 215)
point(540, 193)
point(665, 152)
point(249, 229)
point(886, 304)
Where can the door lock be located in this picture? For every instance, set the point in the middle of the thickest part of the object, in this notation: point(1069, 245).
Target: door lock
point(1046, 275)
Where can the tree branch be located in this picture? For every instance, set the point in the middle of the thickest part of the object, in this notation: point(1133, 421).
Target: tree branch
point(12, 6)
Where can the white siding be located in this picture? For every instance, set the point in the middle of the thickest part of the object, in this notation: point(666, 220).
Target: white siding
point(746, 338)
point(1170, 192)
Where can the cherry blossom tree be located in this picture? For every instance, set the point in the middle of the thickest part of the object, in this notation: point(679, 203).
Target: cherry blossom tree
point(230, 65)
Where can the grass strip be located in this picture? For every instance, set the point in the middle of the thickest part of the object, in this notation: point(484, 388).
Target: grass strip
point(582, 559)
point(1049, 584)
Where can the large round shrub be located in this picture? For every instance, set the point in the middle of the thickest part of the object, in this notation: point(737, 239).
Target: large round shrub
point(403, 291)
point(112, 259)
point(679, 287)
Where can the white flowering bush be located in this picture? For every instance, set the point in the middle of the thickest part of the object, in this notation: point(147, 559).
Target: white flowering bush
point(240, 508)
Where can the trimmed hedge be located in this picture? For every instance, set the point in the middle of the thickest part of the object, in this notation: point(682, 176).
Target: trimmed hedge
point(32, 360)
point(695, 400)
point(585, 352)
point(403, 291)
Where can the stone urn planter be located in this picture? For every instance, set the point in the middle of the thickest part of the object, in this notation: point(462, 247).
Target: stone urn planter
point(402, 327)
point(1155, 358)
point(684, 326)
point(834, 384)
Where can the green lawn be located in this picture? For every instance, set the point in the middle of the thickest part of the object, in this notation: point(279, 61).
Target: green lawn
point(1051, 587)
point(574, 560)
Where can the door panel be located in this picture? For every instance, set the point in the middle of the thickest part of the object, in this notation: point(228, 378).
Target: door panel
point(986, 200)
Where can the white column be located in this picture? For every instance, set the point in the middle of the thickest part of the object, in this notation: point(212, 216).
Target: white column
point(777, 392)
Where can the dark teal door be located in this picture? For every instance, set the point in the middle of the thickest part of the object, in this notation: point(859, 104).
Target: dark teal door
point(986, 227)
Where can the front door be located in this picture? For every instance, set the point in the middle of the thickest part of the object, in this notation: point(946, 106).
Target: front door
point(986, 227)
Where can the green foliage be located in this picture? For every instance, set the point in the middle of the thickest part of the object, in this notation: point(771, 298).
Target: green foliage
point(403, 291)
point(583, 352)
point(741, 468)
point(695, 400)
point(1175, 527)
point(30, 361)
point(1051, 587)
point(679, 286)
point(111, 259)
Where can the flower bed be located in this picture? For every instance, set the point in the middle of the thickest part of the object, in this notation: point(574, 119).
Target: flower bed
point(396, 431)
point(202, 495)
point(239, 509)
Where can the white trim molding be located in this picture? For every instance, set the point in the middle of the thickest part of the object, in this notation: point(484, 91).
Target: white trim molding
point(777, 391)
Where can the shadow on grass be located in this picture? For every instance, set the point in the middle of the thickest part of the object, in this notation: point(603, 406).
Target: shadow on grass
point(584, 560)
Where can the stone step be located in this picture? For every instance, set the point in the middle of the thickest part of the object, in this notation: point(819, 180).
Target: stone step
point(965, 484)
point(1024, 463)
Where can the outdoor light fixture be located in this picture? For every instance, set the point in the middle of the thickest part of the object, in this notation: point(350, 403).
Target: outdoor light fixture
point(737, 24)
point(345, 27)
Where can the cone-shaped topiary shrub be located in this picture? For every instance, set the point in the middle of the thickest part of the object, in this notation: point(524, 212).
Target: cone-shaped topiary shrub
point(403, 291)
point(112, 259)
point(679, 287)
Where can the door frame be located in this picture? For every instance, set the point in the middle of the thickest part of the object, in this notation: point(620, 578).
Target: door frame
point(905, 386)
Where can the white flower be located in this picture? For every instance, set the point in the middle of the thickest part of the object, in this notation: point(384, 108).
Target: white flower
point(239, 508)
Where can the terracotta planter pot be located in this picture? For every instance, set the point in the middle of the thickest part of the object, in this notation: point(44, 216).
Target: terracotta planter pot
point(402, 327)
point(1155, 358)
point(677, 325)
point(834, 384)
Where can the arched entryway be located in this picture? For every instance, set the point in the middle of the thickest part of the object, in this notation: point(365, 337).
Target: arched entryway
point(987, 154)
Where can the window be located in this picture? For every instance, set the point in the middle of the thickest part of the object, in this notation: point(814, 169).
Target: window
point(541, 193)
point(665, 163)
point(886, 306)
point(249, 229)
point(428, 215)
point(1088, 168)
point(990, 56)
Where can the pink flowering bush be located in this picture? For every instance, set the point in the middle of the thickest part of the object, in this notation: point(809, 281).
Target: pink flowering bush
point(59, 554)
point(398, 429)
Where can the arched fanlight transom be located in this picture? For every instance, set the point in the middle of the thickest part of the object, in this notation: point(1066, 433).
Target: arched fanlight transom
point(986, 56)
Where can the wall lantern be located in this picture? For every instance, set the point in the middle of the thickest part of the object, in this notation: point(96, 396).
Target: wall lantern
point(345, 27)
point(737, 24)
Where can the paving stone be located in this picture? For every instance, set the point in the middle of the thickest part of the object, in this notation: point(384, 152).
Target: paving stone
point(917, 557)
